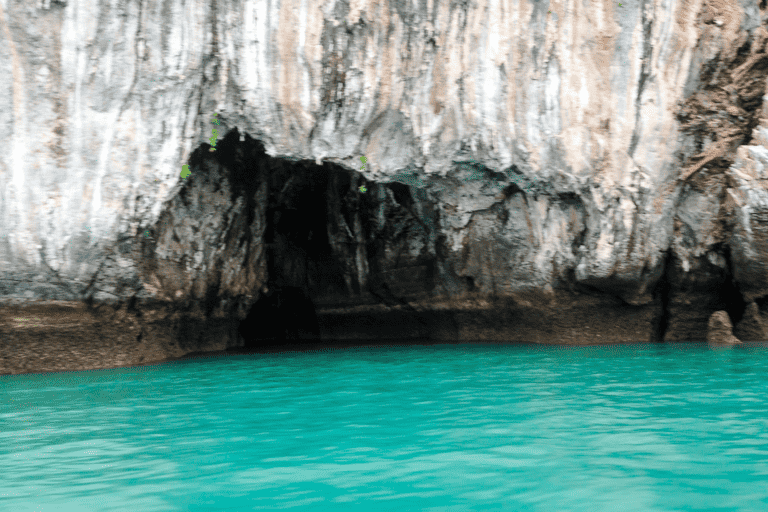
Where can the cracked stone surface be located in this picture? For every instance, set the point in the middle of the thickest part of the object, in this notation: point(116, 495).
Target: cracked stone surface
point(524, 160)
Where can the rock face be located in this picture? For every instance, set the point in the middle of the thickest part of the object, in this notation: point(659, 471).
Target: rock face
point(720, 330)
point(525, 171)
point(751, 327)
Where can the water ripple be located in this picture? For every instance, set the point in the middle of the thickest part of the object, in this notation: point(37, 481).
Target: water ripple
point(437, 428)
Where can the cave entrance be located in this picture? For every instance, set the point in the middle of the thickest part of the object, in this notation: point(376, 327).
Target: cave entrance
point(281, 314)
point(304, 209)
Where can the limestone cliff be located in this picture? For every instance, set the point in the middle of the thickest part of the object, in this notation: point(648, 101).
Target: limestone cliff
point(546, 171)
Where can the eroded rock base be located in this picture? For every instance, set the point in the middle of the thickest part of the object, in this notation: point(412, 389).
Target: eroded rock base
point(559, 317)
point(70, 336)
point(62, 336)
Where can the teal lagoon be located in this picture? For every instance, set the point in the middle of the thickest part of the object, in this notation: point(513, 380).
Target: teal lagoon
point(667, 427)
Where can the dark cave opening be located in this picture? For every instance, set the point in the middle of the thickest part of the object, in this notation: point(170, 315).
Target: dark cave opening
point(315, 241)
point(675, 289)
point(730, 295)
point(282, 313)
point(298, 247)
point(402, 194)
point(296, 235)
point(304, 216)
point(661, 295)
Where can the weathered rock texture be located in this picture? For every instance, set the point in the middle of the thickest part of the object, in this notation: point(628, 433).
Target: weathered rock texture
point(720, 330)
point(577, 172)
point(752, 326)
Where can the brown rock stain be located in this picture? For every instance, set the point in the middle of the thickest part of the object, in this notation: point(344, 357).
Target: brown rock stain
point(313, 51)
point(726, 14)
point(384, 74)
point(468, 62)
point(713, 115)
point(290, 73)
point(437, 96)
point(512, 62)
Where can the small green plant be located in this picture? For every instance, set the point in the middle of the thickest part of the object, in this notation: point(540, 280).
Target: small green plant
point(363, 159)
point(185, 171)
point(215, 134)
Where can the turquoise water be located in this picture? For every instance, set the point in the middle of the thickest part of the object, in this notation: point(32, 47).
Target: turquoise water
point(432, 428)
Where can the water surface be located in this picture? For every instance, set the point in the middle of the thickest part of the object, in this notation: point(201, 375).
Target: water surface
point(433, 428)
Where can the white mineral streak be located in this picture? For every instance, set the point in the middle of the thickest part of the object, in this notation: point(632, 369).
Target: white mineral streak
point(576, 94)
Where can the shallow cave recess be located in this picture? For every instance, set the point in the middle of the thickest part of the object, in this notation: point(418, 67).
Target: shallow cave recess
point(328, 238)
point(273, 251)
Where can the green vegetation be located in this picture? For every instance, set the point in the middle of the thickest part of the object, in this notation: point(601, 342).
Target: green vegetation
point(185, 171)
point(363, 159)
point(215, 133)
point(213, 139)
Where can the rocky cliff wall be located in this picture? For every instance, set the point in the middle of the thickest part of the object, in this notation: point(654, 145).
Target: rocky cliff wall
point(543, 171)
